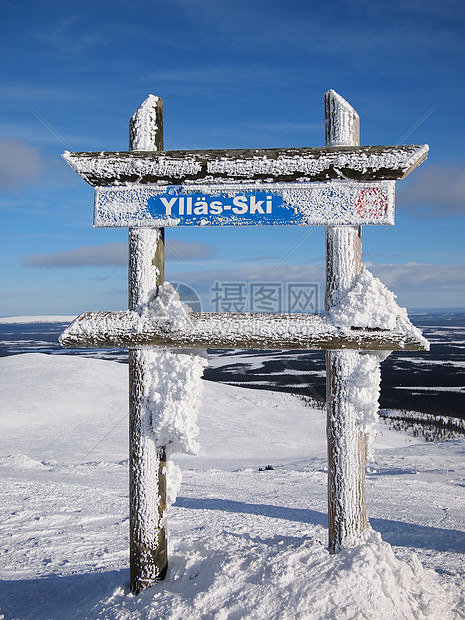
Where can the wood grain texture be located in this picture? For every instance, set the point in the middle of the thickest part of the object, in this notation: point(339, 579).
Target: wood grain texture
point(360, 163)
point(347, 520)
point(231, 330)
point(148, 541)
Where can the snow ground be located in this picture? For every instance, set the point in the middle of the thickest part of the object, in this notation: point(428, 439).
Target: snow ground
point(13, 320)
point(244, 543)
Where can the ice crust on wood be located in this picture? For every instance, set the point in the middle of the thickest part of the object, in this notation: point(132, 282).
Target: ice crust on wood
point(352, 393)
point(360, 376)
point(306, 164)
point(290, 164)
point(173, 379)
point(229, 330)
point(343, 261)
point(352, 299)
point(117, 170)
point(143, 274)
point(144, 129)
point(145, 457)
point(172, 398)
point(342, 123)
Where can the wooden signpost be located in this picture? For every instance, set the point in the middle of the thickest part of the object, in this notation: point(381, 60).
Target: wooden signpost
point(347, 452)
point(148, 541)
point(341, 186)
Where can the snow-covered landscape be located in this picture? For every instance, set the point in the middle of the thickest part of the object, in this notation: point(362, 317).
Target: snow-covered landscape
point(248, 531)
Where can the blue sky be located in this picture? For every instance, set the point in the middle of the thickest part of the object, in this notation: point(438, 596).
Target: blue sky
point(232, 75)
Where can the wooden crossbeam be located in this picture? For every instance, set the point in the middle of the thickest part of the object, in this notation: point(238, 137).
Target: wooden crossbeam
point(234, 330)
point(360, 163)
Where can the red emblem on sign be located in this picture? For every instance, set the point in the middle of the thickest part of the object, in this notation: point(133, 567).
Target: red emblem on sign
point(371, 203)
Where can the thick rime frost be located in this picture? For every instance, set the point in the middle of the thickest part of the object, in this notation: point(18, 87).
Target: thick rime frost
point(174, 379)
point(168, 167)
point(312, 166)
point(173, 475)
point(367, 304)
point(172, 398)
point(370, 304)
point(116, 169)
point(353, 413)
point(166, 304)
point(359, 376)
point(341, 120)
point(143, 125)
point(173, 384)
point(143, 273)
point(210, 330)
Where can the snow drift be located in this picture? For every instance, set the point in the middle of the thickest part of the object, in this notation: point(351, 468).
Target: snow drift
point(244, 543)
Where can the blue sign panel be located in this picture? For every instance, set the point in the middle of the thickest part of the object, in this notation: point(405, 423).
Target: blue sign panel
point(247, 208)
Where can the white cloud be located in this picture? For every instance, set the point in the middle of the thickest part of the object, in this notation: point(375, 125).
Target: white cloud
point(110, 254)
point(421, 276)
point(408, 276)
point(70, 36)
point(251, 273)
point(416, 284)
point(438, 191)
point(113, 255)
point(176, 249)
point(204, 283)
point(20, 164)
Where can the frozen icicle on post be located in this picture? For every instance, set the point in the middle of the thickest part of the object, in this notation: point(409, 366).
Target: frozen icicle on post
point(347, 440)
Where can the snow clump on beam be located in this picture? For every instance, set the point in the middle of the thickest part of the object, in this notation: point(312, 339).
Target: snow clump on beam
point(370, 305)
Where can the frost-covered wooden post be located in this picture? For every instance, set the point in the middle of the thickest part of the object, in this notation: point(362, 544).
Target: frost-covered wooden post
point(347, 443)
point(147, 461)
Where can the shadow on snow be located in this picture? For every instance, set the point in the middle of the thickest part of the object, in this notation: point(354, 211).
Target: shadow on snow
point(55, 596)
point(396, 533)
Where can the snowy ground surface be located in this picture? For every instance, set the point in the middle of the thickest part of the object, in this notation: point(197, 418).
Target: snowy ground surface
point(244, 543)
point(17, 320)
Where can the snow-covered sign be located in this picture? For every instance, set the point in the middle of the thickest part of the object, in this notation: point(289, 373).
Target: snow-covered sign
point(337, 202)
point(341, 185)
point(333, 185)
